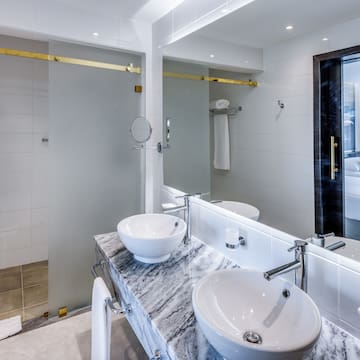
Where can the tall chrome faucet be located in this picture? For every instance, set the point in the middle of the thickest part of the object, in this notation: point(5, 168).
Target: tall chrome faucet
point(186, 208)
point(299, 263)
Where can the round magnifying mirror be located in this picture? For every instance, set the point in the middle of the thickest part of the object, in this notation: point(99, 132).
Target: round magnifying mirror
point(141, 130)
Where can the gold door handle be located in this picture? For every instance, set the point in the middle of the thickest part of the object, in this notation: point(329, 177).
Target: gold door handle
point(333, 168)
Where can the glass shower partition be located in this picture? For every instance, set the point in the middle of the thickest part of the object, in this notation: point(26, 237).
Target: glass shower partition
point(95, 173)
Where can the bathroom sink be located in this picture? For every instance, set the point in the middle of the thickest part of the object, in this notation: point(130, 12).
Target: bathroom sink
point(151, 237)
point(244, 316)
point(240, 208)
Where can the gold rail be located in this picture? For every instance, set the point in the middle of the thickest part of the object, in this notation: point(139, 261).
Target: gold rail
point(68, 60)
point(210, 78)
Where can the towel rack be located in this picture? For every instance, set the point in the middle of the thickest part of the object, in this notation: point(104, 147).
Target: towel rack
point(231, 111)
point(108, 301)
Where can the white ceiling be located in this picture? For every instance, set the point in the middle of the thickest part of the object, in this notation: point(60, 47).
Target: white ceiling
point(145, 10)
point(262, 22)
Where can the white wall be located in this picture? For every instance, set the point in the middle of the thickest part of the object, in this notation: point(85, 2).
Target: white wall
point(23, 156)
point(272, 150)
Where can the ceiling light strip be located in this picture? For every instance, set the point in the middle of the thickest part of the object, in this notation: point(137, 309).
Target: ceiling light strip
point(68, 60)
point(210, 78)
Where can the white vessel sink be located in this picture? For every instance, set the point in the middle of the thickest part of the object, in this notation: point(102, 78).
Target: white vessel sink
point(247, 317)
point(151, 237)
point(240, 208)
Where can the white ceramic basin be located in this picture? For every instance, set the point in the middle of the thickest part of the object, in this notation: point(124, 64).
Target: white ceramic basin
point(151, 237)
point(247, 317)
point(240, 208)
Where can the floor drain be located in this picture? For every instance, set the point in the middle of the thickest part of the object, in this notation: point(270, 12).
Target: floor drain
point(252, 337)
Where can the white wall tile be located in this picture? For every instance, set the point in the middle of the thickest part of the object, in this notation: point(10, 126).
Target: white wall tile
point(16, 143)
point(15, 123)
point(41, 105)
point(15, 181)
point(323, 283)
point(14, 257)
point(11, 220)
point(39, 253)
point(23, 156)
point(16, 103)
point(15, 162)
point(15, 239)
point(349, 297)
point(15, 201)
point(40, 124)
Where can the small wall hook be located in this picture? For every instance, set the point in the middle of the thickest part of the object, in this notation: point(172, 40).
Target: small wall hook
point(281, 104)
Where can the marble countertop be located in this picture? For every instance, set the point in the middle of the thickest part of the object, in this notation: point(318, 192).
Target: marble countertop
point(163, 291)
point(160, 296)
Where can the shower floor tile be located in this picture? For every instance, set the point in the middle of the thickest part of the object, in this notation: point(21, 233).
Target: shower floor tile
point(10, 279)
point(24, 291)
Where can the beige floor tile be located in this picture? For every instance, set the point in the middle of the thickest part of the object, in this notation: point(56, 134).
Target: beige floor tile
point(34, 274)
point(10, 300)
point(35, 295)
point(10, 279)
point(35, 311)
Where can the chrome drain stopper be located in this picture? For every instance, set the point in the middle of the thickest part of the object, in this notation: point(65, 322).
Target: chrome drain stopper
point(252, 337)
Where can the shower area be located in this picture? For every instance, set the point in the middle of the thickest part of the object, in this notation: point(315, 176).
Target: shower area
point(69, 168)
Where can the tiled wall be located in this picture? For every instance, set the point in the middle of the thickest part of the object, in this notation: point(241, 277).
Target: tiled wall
point(333, 281)
point(23, 156)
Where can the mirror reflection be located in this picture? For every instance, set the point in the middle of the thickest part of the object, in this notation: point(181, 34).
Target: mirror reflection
point(278, 139)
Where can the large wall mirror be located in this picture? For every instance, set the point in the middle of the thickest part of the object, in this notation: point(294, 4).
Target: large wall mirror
point(239, 110)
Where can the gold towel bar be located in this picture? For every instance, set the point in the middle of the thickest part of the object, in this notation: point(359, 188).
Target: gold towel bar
point(211, 78)
point(68, 60)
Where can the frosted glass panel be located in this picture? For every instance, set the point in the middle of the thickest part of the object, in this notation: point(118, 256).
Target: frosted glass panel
point(95, 174)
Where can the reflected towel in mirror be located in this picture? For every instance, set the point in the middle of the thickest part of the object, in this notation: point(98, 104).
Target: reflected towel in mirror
point(221, 142)
point(219, 104)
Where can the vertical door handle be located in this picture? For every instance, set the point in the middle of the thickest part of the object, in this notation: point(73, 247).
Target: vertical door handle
point(333, 168)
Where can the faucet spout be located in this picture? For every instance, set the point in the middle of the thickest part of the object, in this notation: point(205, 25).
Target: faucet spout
point(280, 270)
point(175, 209)
point(298, 263)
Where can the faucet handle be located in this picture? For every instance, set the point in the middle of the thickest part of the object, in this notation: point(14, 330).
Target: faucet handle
point(324, 236)
point(200, 194)
point(298, 244)
point(183, 196)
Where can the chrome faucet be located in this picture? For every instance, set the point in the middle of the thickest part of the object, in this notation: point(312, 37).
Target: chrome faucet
point(186, 208)
point(320, 240)
point(299, 263)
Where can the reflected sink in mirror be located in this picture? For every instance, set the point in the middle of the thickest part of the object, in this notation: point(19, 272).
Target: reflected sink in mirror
point(239, 208)
point(151, 237)
point(243, 316)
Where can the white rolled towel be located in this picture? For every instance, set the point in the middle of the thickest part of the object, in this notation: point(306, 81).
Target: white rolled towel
point(221, 142)
point(101, 321)
point(10, 326)
point(219, 104)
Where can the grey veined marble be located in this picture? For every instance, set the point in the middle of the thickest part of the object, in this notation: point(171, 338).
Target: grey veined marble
point(160, 299)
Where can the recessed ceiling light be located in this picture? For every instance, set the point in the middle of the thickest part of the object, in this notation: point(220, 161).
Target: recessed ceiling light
point(325, 39)
point(224, 11)
point(95, 34)
point(289, 27)
point(212, 56)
